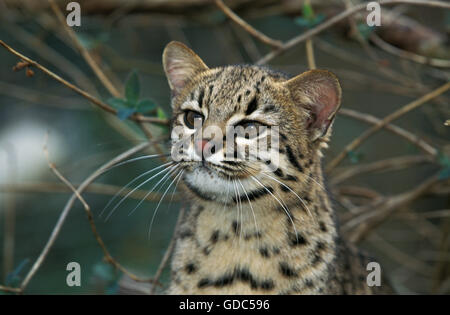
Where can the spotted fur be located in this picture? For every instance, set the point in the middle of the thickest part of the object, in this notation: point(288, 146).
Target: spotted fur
point(276, 234)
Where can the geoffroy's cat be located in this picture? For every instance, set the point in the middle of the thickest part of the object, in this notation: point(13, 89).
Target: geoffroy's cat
point(253, 228)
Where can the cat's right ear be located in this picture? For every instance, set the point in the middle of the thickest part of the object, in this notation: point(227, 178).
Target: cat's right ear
point(180, 64)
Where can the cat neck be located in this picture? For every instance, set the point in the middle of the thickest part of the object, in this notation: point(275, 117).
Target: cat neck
point(273, 244)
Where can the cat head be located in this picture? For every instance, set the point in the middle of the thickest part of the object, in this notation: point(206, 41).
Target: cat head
point(222, 115)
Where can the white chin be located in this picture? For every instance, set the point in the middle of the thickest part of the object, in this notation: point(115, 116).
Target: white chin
point(207, 182)
point(210, 186)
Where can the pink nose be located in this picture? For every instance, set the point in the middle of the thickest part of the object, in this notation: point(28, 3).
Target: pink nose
point(200, 146)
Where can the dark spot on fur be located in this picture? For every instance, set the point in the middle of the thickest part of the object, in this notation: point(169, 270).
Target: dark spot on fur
point(185, 234)
point(291, 178)
point(284, 188)
point(316, 259)
point(322, 226)
point(297, 239)
point(264, 252)
point(203, 283)
point(235, 226)
point(267, 285)
point(206, 250)
point(278, 172)
point(200, 98)
point(215, 236)
point(224, 280)
point(287, 271)
point(191, 268)
point(292, 159)
point(269, 108)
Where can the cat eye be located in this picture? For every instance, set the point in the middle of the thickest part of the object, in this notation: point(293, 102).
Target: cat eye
point(248, 129)
point(192, 118)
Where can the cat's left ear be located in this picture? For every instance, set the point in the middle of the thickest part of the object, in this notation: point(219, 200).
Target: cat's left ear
point(320, 93)
point(181, 64)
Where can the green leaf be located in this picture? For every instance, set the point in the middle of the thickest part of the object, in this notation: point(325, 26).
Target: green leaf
point(124, 113)
point(117, 103)
point(309, 23)
point(307, 12)
point(145, 106)
point(13, 278)
point(365, 30)
point(105, 272)
point(160, 113)
point(132, 88)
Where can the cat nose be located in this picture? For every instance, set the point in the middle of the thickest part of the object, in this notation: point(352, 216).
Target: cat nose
point(204, 146)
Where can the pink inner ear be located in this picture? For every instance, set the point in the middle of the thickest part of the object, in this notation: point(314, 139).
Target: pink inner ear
point(324, 106)
point(177, 75)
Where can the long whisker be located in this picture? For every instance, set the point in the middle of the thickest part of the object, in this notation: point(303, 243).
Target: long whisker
point(251, 207)
point(290, 189)
point(166, 176)
point(144, 157)
point(136, 188)
point(241, 211)
point(282, 206)
point(174, 190)
point(162, 197)
point(129, 184)
point(237, 207)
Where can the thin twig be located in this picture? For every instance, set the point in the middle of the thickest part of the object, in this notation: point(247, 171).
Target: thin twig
point(434, 62)
point(382, 165)
point(99, 240)
point(247, 27)
point(94, 188)
point(358, 227)
point(65, 212)
point(92, 99)
point(310, 48)
point(414, 139)
point(83, 51)
point(388, 119)
point(339, 17)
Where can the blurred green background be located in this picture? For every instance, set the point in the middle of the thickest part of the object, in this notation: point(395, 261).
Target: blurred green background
point(414, 252)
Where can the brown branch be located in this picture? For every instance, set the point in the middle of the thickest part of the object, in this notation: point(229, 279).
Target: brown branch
point(247, 27)
point(420, 143)
point(339, 17)
point(382, 165)
point(95, 188)
point(83, 51)
point(434, 62)
point(92, 99)
point(360, 225)
point(388, 119)
point(65, 212)
point(88, 211)
point(310, 48)
point(10, 289)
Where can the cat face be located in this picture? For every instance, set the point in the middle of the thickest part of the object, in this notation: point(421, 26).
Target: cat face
point(233, 125)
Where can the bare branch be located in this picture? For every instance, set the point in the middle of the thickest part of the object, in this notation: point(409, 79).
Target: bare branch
point(247, 27)
point(92, 99)
point(388, 119)
point(337, 18)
